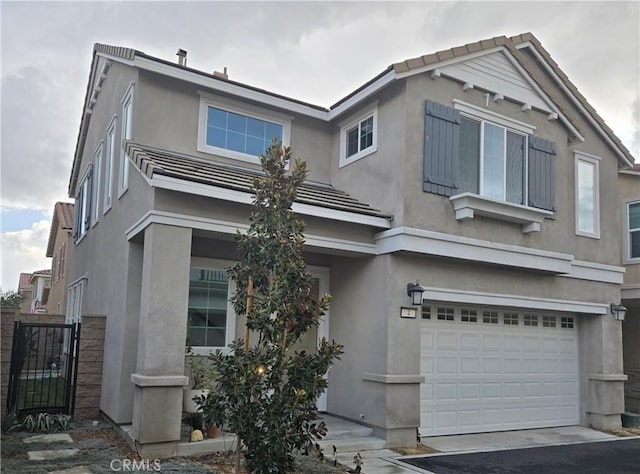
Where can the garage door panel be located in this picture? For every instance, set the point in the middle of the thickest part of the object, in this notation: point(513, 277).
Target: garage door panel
point(490, 377)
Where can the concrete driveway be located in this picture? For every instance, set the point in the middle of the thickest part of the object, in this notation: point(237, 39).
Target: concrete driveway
point(621, 456)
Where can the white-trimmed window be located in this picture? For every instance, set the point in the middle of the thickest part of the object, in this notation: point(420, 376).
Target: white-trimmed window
point(210, 315)
point(492, 155)
point(83, 206)
point(109, 164)
point(97, 170)
point(359, 136)
point(235, 130)
point(127, 134)
point(62, 262)
point(632, 234)
point(587, 193)
point(74, 301)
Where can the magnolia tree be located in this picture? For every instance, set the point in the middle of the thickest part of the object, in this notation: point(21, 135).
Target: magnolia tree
point(267, 391)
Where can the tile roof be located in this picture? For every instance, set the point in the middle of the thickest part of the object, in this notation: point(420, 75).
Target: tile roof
point(23, 281)
point(152, 162)
point(63, 219)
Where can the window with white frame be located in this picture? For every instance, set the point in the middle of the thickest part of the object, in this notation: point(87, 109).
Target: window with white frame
point(63, 256)
point(359, 136)
point(587, 195)
point(492, 160)
point(109, 163)
point(633, 230)
point(83, 205)
point(127, 134)
point(74, 301)
point(97, 170)
point(210, 319)
point(235, 130)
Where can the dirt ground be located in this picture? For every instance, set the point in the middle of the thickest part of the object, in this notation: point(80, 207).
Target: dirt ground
point(101, 450)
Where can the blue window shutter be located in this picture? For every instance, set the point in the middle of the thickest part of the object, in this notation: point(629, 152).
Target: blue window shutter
point(542, 154)
point(441, 142)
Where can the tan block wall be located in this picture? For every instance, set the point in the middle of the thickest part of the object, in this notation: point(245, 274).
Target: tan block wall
point(91, 352)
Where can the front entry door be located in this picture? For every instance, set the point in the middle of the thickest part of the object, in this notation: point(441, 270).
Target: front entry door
point(310, 341)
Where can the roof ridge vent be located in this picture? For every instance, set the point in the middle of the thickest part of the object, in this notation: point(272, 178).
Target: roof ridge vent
point(182, 57)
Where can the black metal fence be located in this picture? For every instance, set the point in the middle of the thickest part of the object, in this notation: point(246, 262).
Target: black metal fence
point(44, 362)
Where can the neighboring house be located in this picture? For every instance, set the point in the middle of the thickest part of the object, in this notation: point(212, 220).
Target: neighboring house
point(630, 194)
point(480, 171)
point(25, 290)
point(59, 248)
point(40, 283)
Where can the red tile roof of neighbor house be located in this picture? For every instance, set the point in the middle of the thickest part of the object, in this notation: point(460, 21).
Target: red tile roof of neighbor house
point(63, 219)
point(23, 281)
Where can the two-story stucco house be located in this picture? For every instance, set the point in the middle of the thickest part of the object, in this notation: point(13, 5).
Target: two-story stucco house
point(630, 292)
point(60, 248)
point(479, 171)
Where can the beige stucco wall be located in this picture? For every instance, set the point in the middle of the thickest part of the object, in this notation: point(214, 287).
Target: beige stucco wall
point(58, 292)
point(169, 113)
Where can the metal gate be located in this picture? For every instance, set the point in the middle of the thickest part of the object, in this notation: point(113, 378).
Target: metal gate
point(44, 363)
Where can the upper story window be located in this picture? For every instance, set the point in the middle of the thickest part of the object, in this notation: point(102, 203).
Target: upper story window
point(492, 161)
point(359, 136)
point(109, 164)
point(97, 167)
point(632, 238)
point(210, 319)
point(127, 134)
point(239, 131)
point(83, 206)
point(489, 164)
point(587, 195)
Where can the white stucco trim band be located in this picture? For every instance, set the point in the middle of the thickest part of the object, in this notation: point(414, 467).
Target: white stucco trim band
point(392, 379)
point(159, 380)
point(582, 270)
point(190, 187)
point(230, 228)
point(513, 301)
point(465, 248)
point(630, 292)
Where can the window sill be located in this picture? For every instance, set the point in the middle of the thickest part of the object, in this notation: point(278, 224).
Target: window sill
point(468, 205)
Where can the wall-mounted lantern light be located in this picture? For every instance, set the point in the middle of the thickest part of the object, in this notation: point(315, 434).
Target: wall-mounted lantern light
point(415, 291)
point(618, 311)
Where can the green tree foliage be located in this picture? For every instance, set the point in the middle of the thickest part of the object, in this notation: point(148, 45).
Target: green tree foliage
point(10, 298)
point(266, 391)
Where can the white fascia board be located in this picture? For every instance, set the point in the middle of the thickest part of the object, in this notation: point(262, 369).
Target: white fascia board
point(465, 248)
point(544, 96)
point(233, 89)
point(599, 272)
point(575, 100)
point(513, 301)
point(362, 95)
point(200, 189)
point(231, 228)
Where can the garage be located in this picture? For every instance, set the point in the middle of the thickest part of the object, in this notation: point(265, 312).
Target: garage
point(489, 369)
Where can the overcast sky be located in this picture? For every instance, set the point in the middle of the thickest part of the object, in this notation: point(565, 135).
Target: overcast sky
point(313, 51)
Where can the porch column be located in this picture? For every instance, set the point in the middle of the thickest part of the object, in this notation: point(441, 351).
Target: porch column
point(159, 377)
point(604, 372)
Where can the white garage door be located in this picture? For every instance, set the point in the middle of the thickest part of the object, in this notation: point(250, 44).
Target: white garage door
point(495, 370)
